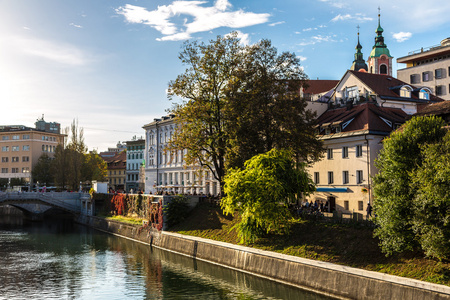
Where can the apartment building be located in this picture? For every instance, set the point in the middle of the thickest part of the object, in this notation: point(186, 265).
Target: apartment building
point(21, 147)
point(428, 67)
point(135, 160)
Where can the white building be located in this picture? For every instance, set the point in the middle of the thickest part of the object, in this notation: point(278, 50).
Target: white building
point(166, 171)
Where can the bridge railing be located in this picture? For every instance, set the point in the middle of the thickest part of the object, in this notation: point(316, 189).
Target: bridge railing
point(67, 201)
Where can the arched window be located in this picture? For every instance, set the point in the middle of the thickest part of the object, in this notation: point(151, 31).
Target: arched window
point(405, 91)
point(383, 69)
point(424, 94)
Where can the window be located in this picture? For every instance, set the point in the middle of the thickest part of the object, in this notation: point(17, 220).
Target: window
point(330, 178)
point(344, 177)
point(15, 159)
point(330, 153)
point(344, 152)
point(16, 137)
point(405, 92)
point(359, 176)
point(440, 90)
point(438, 73)
point(316, 177)
point(426, 76)
point(5, 149)
point(5, 137)
point(4, 170)
point(25, 137)
point(43, 147)
point(4, 159)
point(360, 205)
point(15, 148)
point(414, 78)
point(358, 150)
point(14, 170)
point(25, 170)
point(26, 148)
point(424, 94)
point(346, 206)
point(25, 158)
point(383, 69)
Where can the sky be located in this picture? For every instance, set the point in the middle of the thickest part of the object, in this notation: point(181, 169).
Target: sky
point(107, 63)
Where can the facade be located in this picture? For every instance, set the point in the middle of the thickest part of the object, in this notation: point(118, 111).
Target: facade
point(22, 146)
point(135, 160)
point(116, 174)
point(429, 67)
point(352, 137)
point(165, 171)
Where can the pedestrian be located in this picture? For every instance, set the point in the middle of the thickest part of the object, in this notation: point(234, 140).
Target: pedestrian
point(369, 210)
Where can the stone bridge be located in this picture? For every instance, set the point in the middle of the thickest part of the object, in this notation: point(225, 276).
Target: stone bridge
point(37, 203)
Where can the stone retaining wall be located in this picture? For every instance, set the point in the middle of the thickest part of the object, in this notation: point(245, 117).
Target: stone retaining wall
point(321, 277)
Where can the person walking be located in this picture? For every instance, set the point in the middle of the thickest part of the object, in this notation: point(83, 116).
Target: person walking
point(369, 210)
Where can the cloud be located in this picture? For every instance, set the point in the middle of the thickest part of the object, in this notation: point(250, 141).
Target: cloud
point(302, 58)
point(317, 39)
point(204, 18)
point(60, 53)
point(357, 17)
point(336, 4)
point(402, 36)
point(277, 23)
point(75, 25)
point(244, 37)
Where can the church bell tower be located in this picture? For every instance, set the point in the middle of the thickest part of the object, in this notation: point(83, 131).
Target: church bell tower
point(380, 60)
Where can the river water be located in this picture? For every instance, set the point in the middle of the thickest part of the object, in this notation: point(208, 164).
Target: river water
point(57, 259)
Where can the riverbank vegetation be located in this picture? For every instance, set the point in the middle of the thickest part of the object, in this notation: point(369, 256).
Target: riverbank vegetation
point(350, 244)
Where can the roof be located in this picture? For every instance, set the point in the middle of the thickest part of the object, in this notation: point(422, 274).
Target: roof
point(388, 87)
point(440, 108)
point(364, 117)
point(319, 86)
point(119, 161)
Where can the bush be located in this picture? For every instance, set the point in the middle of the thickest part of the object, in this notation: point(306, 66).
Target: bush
point(176, 210)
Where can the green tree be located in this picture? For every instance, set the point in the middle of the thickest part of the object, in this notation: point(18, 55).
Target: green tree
point(60, 166)
point(204, 89)
point(262, 191)
point(394, 189)
point(266, 111)
point(94, 167)
point(42, 170)
point(431, 205)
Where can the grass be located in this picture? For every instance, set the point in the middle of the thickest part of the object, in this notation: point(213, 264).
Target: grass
point(343, 244)
point(124, 219)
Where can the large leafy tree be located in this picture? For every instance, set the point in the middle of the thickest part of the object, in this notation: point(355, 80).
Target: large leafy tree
point(94, 167)
point(431, 205)
point(204, 89)
point(262, 191)
point(238, 102)
point(267, 111)
point(394, 188)
point(41, 170)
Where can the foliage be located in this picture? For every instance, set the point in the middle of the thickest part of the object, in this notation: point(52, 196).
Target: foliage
point(262, 191)
point(119, 204)
point(176, 210)
point(431, 206)
point(94, 167)
point(238, 102)
point(266, 110)
point(41, 171)
point(394, 189)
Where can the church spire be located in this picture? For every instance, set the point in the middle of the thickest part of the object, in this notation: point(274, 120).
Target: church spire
point(359, 62)
point(380, 60)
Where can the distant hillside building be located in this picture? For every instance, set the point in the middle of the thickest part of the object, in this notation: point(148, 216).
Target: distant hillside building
point(21, 147)
point(428, 67)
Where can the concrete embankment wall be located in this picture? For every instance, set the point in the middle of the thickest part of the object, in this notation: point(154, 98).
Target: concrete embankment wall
point(325, 278)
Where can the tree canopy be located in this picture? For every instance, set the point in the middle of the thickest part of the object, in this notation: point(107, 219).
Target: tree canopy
point(402, 195)
point(262, 191)
point(238, 101)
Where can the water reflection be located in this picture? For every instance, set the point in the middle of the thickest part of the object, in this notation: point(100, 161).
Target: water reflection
point(60, 260)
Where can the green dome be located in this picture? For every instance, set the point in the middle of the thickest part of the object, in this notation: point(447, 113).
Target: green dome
point(378, 51)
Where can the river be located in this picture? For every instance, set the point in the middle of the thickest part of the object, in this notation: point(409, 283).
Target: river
point(57, 259)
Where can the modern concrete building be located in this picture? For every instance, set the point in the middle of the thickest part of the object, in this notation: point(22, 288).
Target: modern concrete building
point(428, 67)
point(21, 147)
point(166, 171)
point(135, 160)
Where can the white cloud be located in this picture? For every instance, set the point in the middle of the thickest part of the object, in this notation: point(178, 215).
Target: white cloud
point(277, 23)
point(75, 25)
point(317, 39)
point(244, 37)
point(402, 36)
point(307, 29)
point(357, 17)
point(60, 53)
point(302, 58)
point(204, 18)
point(336, 4)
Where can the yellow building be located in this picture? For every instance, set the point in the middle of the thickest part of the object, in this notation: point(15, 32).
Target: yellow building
point(21, 147)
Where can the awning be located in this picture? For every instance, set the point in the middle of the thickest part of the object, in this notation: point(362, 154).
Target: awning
point(332, 190)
